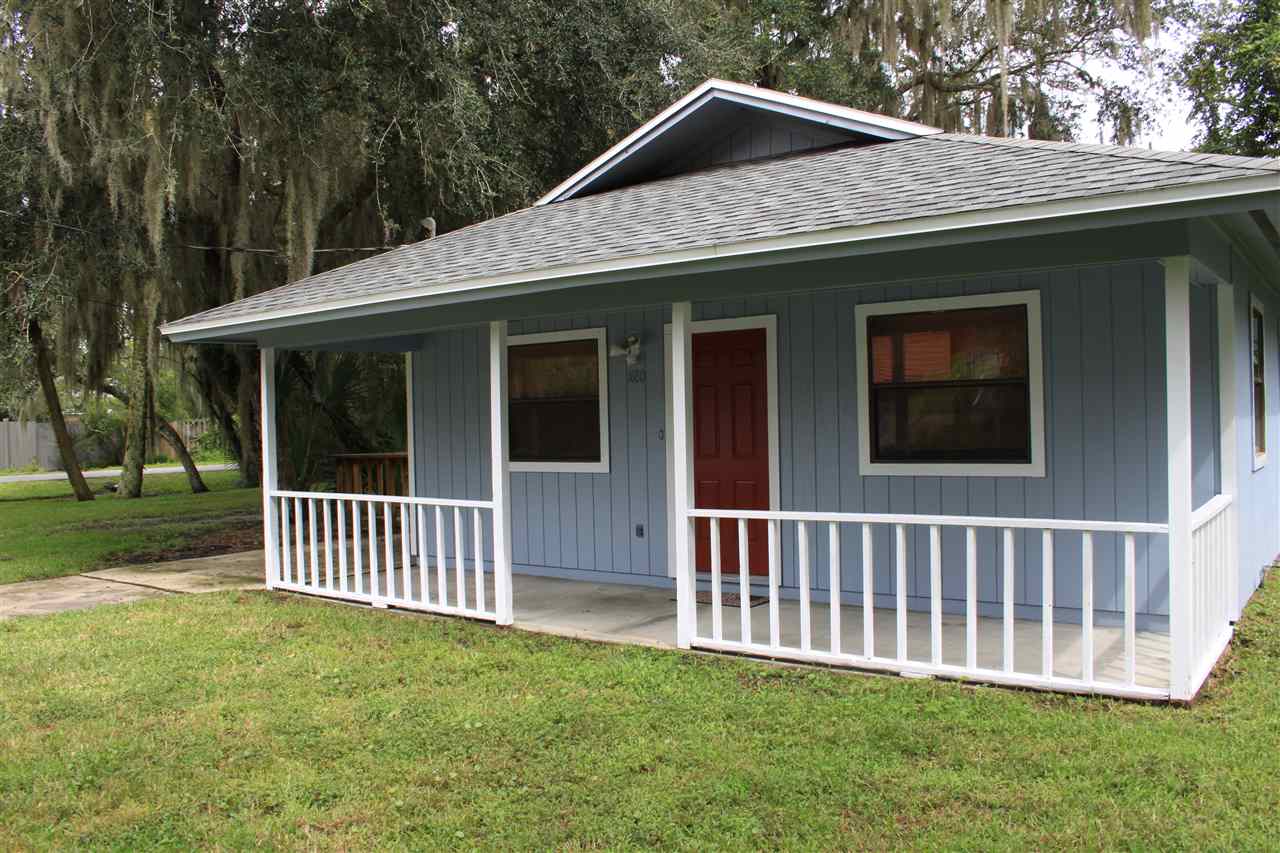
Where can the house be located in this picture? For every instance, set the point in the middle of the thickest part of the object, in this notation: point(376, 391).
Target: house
point(937, 404)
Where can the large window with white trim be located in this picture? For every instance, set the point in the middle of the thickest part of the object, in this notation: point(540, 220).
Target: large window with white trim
point(952, 386)
point(557, 401)
point(1258, 377)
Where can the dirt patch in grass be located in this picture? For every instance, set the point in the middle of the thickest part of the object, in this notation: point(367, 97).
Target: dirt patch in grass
point(246, 536)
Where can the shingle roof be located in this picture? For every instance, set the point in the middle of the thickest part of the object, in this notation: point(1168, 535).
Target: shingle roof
point(743, 201)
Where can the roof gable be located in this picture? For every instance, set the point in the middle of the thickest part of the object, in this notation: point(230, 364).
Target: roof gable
point(720, 122)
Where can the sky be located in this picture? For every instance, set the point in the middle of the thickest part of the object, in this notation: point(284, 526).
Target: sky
point(1173, 131)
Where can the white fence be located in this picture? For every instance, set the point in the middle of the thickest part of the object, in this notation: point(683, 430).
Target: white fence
point(1213, 581)
point(417, 553)
point(1014, 660)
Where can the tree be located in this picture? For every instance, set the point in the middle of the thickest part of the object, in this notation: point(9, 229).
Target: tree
point(1232, 73)
point(1000, 67)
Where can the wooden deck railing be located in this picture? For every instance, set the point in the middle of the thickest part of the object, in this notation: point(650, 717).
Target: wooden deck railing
point(372, 473)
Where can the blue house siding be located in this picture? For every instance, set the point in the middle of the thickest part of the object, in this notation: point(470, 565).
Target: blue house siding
point(1259, 491)
point(1103, 344)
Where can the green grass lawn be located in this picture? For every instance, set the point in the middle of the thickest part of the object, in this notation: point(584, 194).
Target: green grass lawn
point(253, 719)
point(44, 532)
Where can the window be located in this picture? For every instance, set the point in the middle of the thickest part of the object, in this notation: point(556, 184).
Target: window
point(1258, 364)
point(952, 386)
point(557, 393)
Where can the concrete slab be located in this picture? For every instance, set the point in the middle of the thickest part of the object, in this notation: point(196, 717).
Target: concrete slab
point(55, 595)
point(200, 574)
point(647, 616)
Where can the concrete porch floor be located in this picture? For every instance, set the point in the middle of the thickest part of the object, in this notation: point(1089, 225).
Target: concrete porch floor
point(646, 616)
point(643, 615)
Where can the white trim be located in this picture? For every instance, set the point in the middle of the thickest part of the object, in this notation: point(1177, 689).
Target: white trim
point(600, 336)
point(270, 468)
point(1259, 459)
point(500, 483)
point(682, 496)
point(851, 234)
point(1228, 443)
point(808, 109)
point(1035, 376)
point(1177, 312)
point(768, 322)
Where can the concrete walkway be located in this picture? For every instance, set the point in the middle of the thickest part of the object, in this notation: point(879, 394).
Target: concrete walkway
point(124, 584)
point(106, 473)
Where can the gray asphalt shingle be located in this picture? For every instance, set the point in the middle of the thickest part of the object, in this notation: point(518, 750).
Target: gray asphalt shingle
point(737, 202)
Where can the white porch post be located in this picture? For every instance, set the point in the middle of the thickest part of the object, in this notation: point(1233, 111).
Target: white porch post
point(501, 471)
point(270, 470)
point(1177, 312)
point(682, 481)
point(1228, 437)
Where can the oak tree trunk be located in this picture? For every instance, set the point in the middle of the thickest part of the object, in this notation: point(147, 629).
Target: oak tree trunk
point(66, 448)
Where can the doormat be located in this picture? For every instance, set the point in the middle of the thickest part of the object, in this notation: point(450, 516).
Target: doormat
point(731, 599)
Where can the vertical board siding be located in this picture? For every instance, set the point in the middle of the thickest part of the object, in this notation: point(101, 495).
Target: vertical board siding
point(1258, 500)
point(1103, 340)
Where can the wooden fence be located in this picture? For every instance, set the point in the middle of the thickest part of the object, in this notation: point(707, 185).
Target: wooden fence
point(24, 443)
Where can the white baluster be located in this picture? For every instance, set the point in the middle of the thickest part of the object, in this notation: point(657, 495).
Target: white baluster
point(341, 510)
point(389, 548)
point(900, 581)
point(373, 550)
point(328, 545)
point(935, 594)
point(286, 546)
point(1046, 608)
point(357, 546)
point(477, 530)
point(442, 580)
point(1086, 607)
point(1130, 608)
point(775, 619)
point(406, 564)
point(868, 594)
point(299, 552)
point(459, 564)
point(1007, 657)
point(312, 542)
point(833, 582)
point(971, 598)
point(424, 570)
point(744, 583)
point(802, 541)
point(717, 617)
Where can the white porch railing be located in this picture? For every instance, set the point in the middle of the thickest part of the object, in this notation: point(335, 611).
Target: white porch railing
point(416, 553)
point(1212, 587)
point(1015, 663)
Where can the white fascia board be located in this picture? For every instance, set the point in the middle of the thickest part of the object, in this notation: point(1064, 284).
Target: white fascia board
point(752, 96)
point(854, 234)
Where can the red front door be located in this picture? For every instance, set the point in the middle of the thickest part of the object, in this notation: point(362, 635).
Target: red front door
point(731, 442)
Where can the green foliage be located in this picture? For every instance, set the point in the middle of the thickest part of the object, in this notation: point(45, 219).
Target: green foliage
point(1232, 72)
point(336, 402)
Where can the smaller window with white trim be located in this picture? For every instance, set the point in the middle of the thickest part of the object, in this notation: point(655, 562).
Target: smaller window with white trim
point(952, 386)
point(1258, 372)
point(557, 397)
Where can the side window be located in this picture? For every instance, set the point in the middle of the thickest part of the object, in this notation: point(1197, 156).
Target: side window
point(1258, 372)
